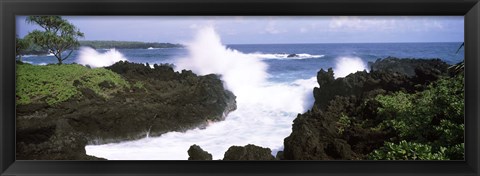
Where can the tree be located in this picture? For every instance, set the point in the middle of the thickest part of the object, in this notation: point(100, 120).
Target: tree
point(459, 67)
point(59, 35)
point(20, 46)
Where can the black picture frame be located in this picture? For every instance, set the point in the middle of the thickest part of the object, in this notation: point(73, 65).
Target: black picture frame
point(10, 8)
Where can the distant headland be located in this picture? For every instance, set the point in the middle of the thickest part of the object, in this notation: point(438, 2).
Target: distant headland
point(104, 44)
point(99, 44)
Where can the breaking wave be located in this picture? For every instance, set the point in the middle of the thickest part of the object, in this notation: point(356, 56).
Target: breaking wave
point(93, 58)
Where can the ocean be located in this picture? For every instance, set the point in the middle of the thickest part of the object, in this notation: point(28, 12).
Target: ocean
point(310, 59)
point(271, 87)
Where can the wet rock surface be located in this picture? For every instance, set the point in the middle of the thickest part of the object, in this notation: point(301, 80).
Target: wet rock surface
point(292, 55)
point(195, 152)
point(326, 132)
point(159, 100)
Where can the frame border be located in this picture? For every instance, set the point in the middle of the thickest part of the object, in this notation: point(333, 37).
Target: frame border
point(470, 9)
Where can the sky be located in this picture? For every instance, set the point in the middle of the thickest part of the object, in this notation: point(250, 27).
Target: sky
point(267, 29)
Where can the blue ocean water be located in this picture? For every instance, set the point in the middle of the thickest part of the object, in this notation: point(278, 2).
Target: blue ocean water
point(267, 107)
point(312, 57)
point(368, 52)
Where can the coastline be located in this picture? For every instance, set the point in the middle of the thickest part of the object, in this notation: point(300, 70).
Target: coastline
point(159, 100)
point(55, 124)
point(106, 44)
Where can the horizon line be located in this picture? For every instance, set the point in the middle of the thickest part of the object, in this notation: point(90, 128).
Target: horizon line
point(285, 43)
point(337, 43)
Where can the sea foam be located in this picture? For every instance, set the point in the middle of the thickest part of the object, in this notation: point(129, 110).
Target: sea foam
point(93, 58)
point(264, 114)
point(346, 65)
point(284, 56)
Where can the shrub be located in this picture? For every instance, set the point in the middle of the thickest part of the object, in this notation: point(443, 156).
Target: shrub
point(433, 117)
point(407, 151)
point(343, 123)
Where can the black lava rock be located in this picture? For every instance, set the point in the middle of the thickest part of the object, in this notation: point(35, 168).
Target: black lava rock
point(248, 152)
point(326, 132)
point(197, 153)
point(166, 101)
point(292, 55)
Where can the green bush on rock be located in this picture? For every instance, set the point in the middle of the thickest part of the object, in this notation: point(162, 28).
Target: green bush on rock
point(342, 123)
point(433, 117)
point(367, 115)
point(407, 151)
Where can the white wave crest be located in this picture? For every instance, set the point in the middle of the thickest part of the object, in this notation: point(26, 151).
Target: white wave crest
point(346, 65)
point(89, 56)
point(264, 114)
point(29, 55)
point(284, 56)
point(207, 55)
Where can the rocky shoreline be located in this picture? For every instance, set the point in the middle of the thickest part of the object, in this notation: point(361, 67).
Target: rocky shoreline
point(316, 135)
point(160, 100)
point(344, 121)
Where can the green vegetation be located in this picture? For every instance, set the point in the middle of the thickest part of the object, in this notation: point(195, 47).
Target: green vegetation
point(34, 49)
point(37, 50)
point(126, 45)
point(458, 68)
point(407, 151)
point(20, 46)
point(140, 85)
point(428, 124)
point(58, 36)
point(53, 84)
point(343, 123)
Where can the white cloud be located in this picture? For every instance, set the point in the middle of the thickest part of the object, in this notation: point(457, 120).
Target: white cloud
point(231, 32)
point(432, 25)
point(203, 24)
point(193, 26)
point(361, 23)
point(272, 28)
point(438, 25)
point(263, 29)
point(384, 24)
point(303, 30)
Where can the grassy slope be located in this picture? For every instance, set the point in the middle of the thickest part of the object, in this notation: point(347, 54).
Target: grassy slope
point(57, 83)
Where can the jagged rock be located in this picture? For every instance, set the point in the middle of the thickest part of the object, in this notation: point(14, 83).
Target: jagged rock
point(197, 153)
point(165, 101)
point(248, 152)
point(390, 74)
point(319, 133)
point(53, 142)
point(315, 139)
point(279, 155)
point(410, 67)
